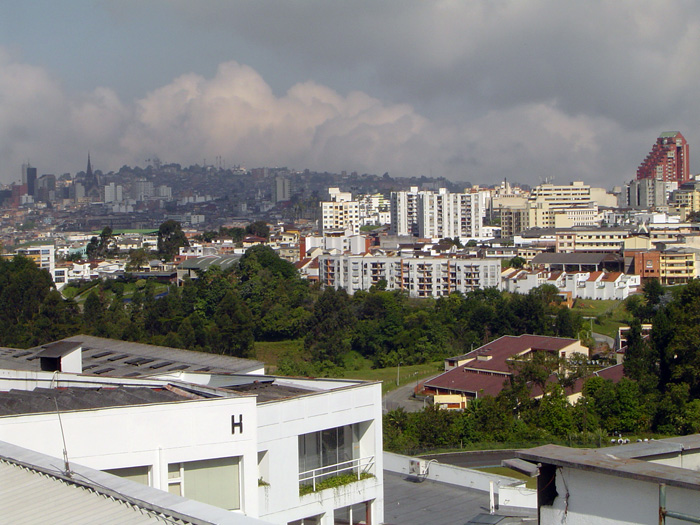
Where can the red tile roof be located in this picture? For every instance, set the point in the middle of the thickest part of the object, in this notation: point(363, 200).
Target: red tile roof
point(611, 276)
point(463, 380)
point(474, 376)
point(496, 353)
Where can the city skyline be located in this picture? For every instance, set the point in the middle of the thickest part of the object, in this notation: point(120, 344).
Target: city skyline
point(475, 92)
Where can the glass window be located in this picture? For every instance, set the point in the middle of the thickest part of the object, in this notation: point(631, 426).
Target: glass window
point(326, 448)
point(358, 514)
point(212, 481)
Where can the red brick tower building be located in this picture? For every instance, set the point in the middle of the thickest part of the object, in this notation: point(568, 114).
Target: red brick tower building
point(668, 159)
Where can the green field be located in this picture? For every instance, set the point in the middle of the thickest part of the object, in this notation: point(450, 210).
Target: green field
point(407, 374)
point(79, 296)
point(530, 483)
point(609, 314)
point(269, 352)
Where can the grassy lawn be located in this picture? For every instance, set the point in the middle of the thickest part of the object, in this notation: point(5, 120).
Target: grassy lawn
point(407, 374)
point(269, 351)
point(530, 483)
point(610, 315)
point(129, 289)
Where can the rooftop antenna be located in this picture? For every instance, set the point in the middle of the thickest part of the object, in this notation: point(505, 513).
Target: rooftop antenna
point(66, 464)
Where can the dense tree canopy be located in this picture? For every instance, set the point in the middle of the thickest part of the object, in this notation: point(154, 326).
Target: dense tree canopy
point(170, 239)
point(263, 298)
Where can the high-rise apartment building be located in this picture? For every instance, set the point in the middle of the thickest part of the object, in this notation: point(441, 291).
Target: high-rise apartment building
point(668, 160)
point(551, 206)
point(436, 215)
point(340, 213)
point(282, 191)
point(403, 206)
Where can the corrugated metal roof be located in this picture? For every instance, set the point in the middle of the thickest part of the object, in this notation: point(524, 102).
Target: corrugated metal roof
point(28, 496)
point(115, 358)
point(34, 490)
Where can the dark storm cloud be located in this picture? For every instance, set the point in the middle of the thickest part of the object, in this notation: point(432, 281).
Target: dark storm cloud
point(477, 90)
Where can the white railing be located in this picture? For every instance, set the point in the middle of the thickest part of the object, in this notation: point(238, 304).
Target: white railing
point(356, 466)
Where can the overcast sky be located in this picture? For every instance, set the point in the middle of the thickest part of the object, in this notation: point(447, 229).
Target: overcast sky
point(471, 90)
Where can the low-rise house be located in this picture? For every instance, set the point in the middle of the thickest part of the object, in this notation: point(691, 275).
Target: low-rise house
point(485, 370)
point(576, 285)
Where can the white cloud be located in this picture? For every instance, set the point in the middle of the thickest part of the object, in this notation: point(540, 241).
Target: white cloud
point(236, 115)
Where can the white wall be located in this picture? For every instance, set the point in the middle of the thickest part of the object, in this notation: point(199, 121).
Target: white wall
point(463, 477)
point(280, 423)
point(147, 435)
point(599, 499)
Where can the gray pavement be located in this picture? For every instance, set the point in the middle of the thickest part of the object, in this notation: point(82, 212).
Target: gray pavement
point(402, 396)
point(409, 502)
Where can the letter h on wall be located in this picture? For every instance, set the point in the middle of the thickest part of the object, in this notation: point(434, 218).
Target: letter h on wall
point(237, 424)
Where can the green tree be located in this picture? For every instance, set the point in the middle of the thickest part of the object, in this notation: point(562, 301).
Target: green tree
point(137, 259)
point(259, 229)
point(329, 326)
point(653, 291)
point(232, 333)
point(517, 262)
point(641, 362)
point(93, 311)
point(170, 239)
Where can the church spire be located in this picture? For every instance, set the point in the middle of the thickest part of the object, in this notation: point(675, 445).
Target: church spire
point(88, 172)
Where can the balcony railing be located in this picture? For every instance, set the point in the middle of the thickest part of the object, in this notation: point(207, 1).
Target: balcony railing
point(355, 466)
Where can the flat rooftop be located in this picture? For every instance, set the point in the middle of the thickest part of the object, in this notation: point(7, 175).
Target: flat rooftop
point(605, 461)
point(115, 358)
point(409, 502)
point(42, 400)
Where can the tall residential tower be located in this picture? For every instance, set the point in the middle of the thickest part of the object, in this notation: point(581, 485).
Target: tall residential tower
point(668, 160)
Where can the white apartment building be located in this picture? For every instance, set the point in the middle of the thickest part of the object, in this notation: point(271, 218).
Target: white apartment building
point(561, 206)
point(340, 213)
point(282, 189)
point(44, 255)
point(208, 428)
point(403, 207)
point(374, 209)
point(419, 276)
point(340, 242)
point(591, 240)
point(114, 193)
point(583, 285)
point(436, 215)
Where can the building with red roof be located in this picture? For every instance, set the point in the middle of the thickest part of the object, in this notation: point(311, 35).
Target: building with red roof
point(484, 371)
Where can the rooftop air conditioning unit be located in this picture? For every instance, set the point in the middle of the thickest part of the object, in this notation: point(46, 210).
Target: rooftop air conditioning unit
point(417, 467)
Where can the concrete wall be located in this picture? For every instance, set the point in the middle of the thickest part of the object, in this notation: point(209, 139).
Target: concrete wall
point(587, 498)
point(468, 478)
point(512, 496)
point(147, 435)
